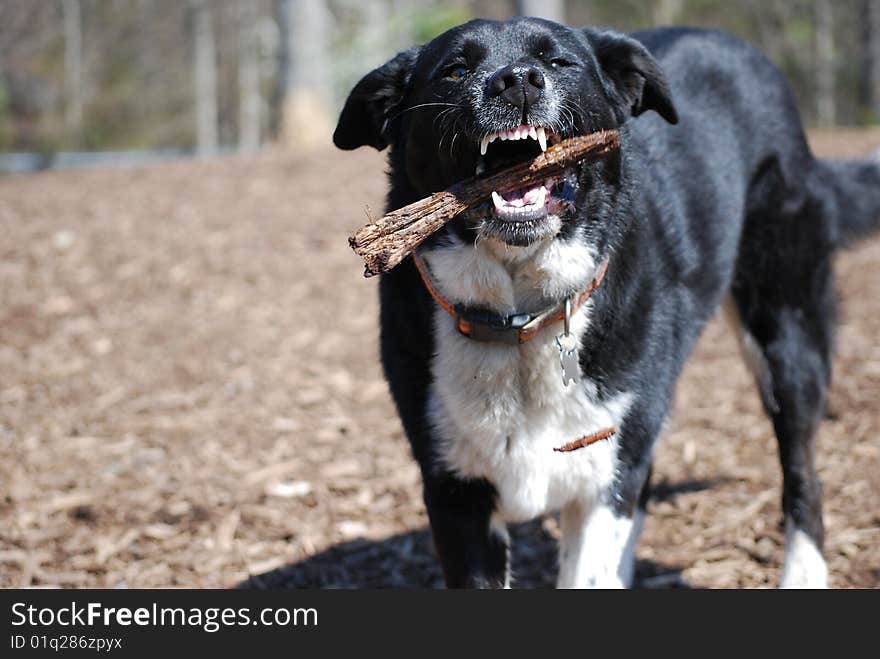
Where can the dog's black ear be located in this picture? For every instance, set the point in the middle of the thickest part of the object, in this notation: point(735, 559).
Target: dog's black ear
point(634, 78)
point(370, 103)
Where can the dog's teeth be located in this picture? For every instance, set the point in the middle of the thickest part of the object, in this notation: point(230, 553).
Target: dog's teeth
point(498, 200)
point(542, 197)
point(522, 133)
point(481, 167)
point(542, 137)
point(484, 145)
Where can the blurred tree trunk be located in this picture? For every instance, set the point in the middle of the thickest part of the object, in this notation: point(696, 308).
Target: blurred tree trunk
point(73, 67)
point(205, 74)
point(147, 57)
point(767, 28)
point(304, 75)
point(826, 107)
point(249, 101)
point(871, 57)
point(772, 20)
point(376, 17)
point(553, 10)
point(667, 12)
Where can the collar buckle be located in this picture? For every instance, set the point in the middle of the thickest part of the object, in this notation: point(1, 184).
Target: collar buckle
point(491, 328)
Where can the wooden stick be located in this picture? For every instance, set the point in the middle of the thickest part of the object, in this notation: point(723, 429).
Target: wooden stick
point(385, 242)
point(586, 440)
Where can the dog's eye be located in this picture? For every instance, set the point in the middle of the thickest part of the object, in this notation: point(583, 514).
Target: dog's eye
point(560, 63)
point(457, 72)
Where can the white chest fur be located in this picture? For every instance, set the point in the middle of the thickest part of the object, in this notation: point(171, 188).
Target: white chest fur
point(498, 411)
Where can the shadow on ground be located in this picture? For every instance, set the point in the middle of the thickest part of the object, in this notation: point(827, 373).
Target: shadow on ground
point(407, 560)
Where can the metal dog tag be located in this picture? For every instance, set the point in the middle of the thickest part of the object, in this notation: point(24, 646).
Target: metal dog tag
point(568, 356)
point(571, 371)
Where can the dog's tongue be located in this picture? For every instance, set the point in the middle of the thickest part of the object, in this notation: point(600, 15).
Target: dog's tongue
point(519, 198)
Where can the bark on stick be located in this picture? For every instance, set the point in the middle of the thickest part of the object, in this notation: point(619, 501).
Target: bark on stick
point(385, 242)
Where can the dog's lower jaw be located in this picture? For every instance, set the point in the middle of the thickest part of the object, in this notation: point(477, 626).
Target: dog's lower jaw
point(519, 234)
point(494, 275)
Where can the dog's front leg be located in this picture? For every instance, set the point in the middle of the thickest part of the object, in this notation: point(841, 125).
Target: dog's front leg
point(597, 546)
point(471, 543)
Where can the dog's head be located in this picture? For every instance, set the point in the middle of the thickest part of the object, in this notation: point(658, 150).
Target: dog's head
point(488, 94)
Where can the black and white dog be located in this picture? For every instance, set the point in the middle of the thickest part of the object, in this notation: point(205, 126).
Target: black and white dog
point(713, 196)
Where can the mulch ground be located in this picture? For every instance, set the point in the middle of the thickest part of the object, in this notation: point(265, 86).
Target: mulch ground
point(190, 395)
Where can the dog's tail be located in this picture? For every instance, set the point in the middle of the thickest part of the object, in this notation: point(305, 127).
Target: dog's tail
point(855, 195)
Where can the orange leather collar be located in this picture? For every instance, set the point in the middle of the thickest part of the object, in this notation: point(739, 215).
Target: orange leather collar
point(515, 329)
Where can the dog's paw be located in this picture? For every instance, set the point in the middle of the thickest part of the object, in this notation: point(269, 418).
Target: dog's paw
point(804, 580)
point(804, 566)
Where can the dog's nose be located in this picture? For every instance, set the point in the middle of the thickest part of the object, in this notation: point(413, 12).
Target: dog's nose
point(518, 84)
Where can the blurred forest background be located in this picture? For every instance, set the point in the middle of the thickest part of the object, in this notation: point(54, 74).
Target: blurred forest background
point(209, 75)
